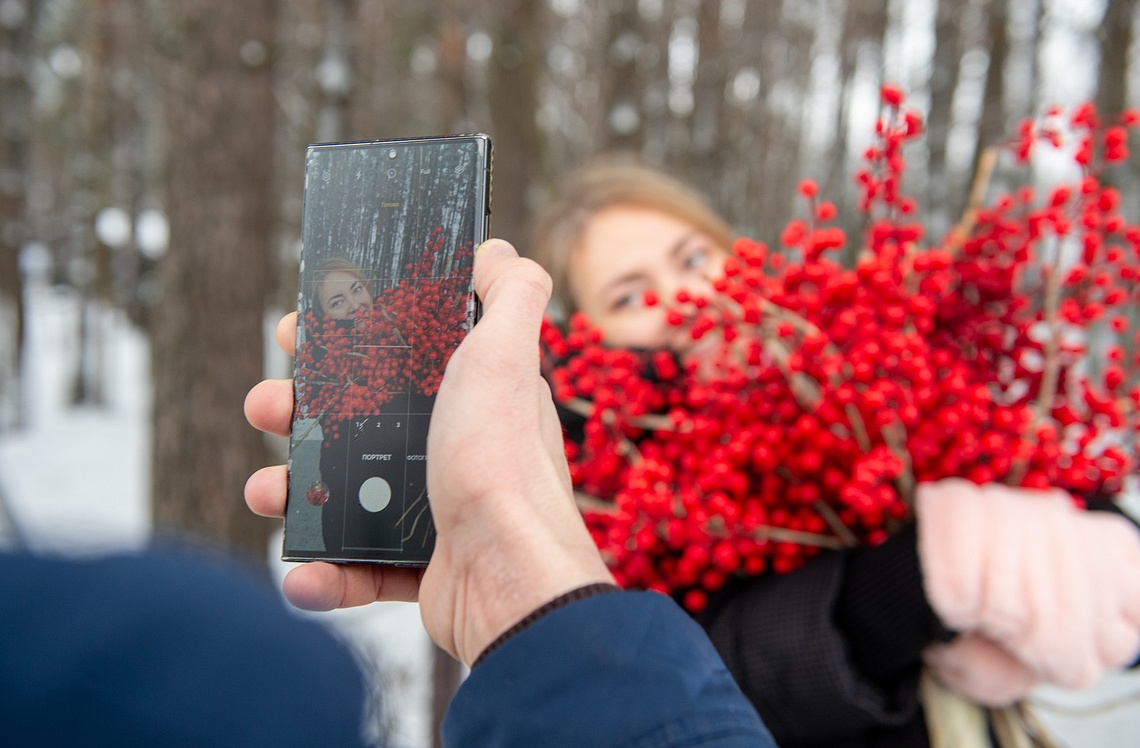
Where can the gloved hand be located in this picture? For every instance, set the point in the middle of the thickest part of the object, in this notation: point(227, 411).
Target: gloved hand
point(1058, 588)
point(980, 670)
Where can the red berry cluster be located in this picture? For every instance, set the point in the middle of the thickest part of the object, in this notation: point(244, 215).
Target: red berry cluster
point(834, 390)
point(401, 344)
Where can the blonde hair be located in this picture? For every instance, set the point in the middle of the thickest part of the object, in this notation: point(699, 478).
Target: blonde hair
point(606, 181)
point(332, 264)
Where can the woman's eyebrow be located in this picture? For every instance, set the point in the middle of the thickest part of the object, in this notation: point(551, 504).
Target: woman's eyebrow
point(631, 277)
point(634, 275)
point(680, 244)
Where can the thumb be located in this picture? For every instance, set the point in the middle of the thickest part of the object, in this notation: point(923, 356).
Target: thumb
point(514, 292)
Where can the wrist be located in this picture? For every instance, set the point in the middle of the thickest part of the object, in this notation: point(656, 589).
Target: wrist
point(504, 585)
point(578, 593)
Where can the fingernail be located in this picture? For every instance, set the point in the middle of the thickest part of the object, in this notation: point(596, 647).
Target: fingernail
point(497, 247)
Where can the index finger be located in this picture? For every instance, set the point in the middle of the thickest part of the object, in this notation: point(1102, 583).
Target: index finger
point(269, 406)
point(287, 333)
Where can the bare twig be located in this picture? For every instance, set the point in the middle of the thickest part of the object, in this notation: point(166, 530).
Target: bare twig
point(858, 428)
point(836, 524)
point(894, 434)
point(805, 389)
point(1016, 726)
point(1051, 368)
point(650, 422)
point(588, 503)
point(961, 231)
point(784, 535)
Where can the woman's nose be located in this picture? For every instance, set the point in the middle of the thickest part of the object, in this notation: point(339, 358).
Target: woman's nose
point(693, 286)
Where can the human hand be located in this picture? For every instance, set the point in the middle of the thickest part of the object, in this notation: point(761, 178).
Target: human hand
point(509, 537)
point(1056, 587)
point(980, 670)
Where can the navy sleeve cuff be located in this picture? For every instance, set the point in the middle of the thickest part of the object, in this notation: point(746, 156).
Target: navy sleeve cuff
point(621, 669)
point(580, 593)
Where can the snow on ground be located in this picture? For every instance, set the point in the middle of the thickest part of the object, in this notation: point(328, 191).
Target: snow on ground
point(76, 481)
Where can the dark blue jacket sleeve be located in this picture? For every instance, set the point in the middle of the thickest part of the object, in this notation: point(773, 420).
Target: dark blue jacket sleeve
point(617, 669)
point(165, 649)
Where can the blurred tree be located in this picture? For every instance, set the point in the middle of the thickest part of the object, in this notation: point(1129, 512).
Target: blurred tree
point(88, 257)
point(1113, 81)
point(1115, 35)
point(207, 334)
point(943, 83)
point(786, 47)
point(74, 167)
point(623, 88)
point(860, 56)
point(301, 52)
point(1116, 42)
point(993, 124)
point(704, 161)
point(513, 73)
point(17, 22)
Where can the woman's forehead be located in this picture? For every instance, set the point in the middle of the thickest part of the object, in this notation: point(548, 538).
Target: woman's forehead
point(623, 238)
point(621, 231)
point(339, 276)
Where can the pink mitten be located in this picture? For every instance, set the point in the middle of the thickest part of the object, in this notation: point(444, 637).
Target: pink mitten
point(980, 670)
point(1056, 587)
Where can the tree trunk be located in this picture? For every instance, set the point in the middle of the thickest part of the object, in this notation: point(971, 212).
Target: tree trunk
point(207, 335)
point(706, 164)
point(89, 258)
point(15, 130)
point(1112, 90)
point(992, 124)
point(864, 30)
point(622, 88)
point(943, 84)
point(513, 94)
point(1115, 41)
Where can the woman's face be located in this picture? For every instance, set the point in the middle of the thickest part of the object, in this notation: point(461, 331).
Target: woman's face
point(626, 251)
point(342, 294)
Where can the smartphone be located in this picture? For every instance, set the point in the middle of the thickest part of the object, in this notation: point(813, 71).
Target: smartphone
point(385, 294)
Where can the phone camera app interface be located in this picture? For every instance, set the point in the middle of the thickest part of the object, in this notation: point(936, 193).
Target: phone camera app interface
point(385, 296)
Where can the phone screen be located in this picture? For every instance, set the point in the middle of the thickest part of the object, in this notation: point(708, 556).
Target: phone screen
point(385, 295)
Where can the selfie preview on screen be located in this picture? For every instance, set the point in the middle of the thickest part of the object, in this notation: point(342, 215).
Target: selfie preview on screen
point(385, 295)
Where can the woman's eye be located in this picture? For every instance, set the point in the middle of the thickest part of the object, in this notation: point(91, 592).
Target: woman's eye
point(697, 258)
point(629, 300)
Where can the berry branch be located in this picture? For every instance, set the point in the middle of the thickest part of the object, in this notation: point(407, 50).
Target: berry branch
point(831, 392)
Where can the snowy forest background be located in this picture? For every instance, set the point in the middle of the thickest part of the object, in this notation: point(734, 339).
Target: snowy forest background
point(151, 161)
